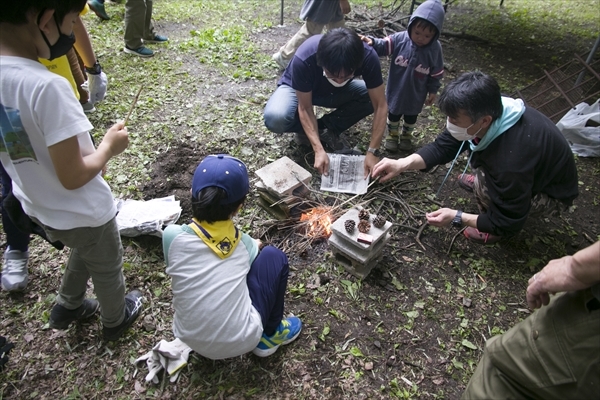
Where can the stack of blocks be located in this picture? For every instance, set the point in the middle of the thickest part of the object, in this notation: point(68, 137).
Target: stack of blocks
point(279, 182)
point(356, 257)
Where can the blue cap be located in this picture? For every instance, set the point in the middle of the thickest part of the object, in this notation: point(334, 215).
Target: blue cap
point(222, 171)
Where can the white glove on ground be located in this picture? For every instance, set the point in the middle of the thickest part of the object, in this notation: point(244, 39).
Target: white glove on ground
point(97, 87)
point(171, 356)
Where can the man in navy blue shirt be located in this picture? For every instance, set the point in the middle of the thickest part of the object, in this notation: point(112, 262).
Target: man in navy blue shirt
point(323, 73)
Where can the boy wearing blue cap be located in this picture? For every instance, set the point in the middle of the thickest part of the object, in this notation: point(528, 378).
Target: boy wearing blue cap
point(228, 294)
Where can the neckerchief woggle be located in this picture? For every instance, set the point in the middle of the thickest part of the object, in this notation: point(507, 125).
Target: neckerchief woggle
point(222, 237)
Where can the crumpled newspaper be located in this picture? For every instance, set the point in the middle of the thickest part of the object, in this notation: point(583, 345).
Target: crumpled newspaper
point(137, 217)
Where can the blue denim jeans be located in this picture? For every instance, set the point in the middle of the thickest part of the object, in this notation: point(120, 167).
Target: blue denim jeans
point(15, 239)
point(351, 104)
point(267, 282)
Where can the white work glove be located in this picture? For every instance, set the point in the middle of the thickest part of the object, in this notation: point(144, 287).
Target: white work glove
point(176, 353)
point(155, 363)
point(171, 356)
point(97, 86)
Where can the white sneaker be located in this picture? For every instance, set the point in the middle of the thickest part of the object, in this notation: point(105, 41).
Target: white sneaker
point(88, 107)
point(14, 270)
point(279, 60)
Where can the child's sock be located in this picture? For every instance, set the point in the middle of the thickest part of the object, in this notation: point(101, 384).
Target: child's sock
point(393, 127)
point(405, 138)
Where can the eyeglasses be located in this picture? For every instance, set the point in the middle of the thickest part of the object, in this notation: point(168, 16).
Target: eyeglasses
point(326, 74)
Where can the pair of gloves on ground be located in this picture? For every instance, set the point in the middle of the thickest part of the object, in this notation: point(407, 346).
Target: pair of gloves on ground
point(169, 356)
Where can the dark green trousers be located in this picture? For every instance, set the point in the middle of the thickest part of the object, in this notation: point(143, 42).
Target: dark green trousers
point(553, 354)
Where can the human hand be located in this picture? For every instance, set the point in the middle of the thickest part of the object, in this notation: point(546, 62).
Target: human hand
point(441, 217)
point(370, 161)
point(322, 162)
point(555, 277)
point(345, 6)
point(116, 138)
point(387, 169)
point(430, 99)
point(366, 39)
point(97, 86)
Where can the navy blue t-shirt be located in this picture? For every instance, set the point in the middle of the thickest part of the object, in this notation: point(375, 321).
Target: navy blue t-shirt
point(304, 75)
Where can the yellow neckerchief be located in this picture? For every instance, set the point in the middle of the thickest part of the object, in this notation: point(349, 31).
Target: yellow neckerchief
point(221, 236)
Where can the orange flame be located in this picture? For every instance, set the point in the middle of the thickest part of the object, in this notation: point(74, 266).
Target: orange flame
point(318, 222)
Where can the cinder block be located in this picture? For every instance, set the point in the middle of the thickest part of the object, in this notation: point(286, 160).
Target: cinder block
point(361, 256)
point(378, 233)
point(283, 176)
point(352, 266)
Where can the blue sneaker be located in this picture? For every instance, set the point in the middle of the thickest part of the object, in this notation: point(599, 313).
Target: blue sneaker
point(157, 39)
point(140, 51)
point(98, 9)
point(287, 332)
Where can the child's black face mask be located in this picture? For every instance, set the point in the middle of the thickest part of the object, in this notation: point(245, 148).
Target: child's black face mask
point(62, 45)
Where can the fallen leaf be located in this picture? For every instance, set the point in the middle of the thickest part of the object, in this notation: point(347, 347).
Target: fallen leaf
point(438, 381)
point(369, 366)
point(28, 337)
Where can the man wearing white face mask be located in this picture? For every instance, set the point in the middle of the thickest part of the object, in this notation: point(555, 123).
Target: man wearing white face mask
point(323, 72)
point(522, 165)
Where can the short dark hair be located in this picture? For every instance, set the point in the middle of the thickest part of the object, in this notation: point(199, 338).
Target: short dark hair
point(207, 206)
point(340, 50)
point(475, 94)
point(15, 12)
point(423, 24)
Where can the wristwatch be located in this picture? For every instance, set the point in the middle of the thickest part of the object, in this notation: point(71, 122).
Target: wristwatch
point(94, 69)
point(374, 151)
point(457, 221)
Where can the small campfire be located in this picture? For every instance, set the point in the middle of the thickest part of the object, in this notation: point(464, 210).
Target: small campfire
point(317, 222)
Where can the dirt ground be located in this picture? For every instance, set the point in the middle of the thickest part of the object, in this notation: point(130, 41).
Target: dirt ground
point(414, 328)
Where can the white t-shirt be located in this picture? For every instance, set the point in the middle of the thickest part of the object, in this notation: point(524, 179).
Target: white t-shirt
point(37, 110)
point(213, 310)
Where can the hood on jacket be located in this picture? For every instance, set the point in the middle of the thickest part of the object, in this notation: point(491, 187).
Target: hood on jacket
point(432, 11)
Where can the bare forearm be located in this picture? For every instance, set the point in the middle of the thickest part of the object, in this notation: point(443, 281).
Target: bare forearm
point(310, 126)
point(378, 129)
point(83, 45)
point(586, 265)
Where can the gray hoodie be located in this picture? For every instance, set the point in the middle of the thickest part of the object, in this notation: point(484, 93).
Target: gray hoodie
point(414, 71)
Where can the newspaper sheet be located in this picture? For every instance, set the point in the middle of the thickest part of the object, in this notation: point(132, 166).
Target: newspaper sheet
point(346, 174)
point(137, 218)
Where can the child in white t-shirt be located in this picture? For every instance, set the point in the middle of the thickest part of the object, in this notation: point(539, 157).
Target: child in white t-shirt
point(48, 153)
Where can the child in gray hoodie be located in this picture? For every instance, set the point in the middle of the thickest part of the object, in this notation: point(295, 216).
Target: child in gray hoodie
point(416, 70)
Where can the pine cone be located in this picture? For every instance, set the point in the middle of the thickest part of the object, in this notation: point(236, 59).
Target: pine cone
point(364, 226)
point(349, 225)
point(379, 221)
point(364, 215)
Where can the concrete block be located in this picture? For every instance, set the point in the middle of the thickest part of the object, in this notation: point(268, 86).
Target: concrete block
point(283, 177)
point(352, 266)
point(361, 256)
point(378, 233)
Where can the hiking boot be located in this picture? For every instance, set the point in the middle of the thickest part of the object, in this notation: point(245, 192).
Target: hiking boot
point(14, 270)
point(88, 107)
point(405, 143)
point(98, 9)
point(157, 39)
point(61, 317)
point(279, 60)
point(286, 333)
point(474, 235)
point(133, 307)
point(391, 143)
point(334, 143)
point(467, 182)
point(140, 51)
